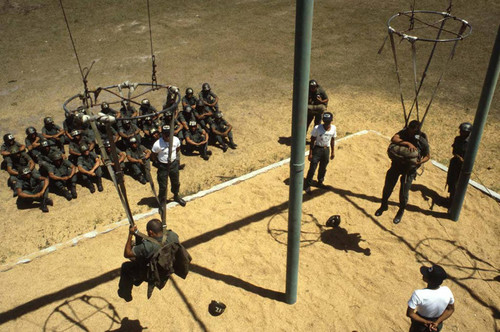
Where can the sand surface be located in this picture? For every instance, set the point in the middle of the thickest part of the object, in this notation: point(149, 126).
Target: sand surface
point(237, 236)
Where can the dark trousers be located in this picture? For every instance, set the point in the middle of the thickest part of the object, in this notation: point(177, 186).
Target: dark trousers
point(420, 327)
point(162, 179)
point(137, 169)
point(222, 140)
point(320, 155)
point(87, 180)
point(62, 185)
point(131, 274)
point(314, 112)
point(36, 190)
point(202, 149)
point(391, 178)
point(453, 174)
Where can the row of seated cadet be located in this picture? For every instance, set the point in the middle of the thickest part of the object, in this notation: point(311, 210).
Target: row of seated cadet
point(197, 125)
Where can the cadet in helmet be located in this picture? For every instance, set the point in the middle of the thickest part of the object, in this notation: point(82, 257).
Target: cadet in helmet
point(149, 140)
point(147, 125)
point(322, 150)
point(317, 103)
point(459, 147)
point(197, 139)
point(147, 108)
point(167, 120)
point(44, 157)
point(160, 153)
point(121, 158)
point(189, 101)
point(203, 116)
point(53, 133)
point(107, 110)
point(137, 155)
point(77, 140)
point(209, 98)
point(16, 160)
point(415, 140)
point(127, 110)
point(89, 165)
point(101, 127)
point(70, 123)
point(8, 141)
point(127, 132)
point(32, 142)
point(31, 186)
point(222, 131)
point(172, 93)
point(62, 176)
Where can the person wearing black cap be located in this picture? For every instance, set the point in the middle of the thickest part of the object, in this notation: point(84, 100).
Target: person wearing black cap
point(317, 103)
point(16, 160)
point(429, 307)
point(322, 150)
point(412, 138)
point(8, 141)
point(160, 152)
point(53, 133)
point(459, 147)
point(31, 186)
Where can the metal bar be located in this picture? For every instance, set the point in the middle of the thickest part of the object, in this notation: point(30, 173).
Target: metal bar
point(483, 108)
point(302, 62)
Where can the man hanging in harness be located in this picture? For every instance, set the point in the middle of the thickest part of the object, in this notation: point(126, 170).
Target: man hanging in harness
point(135, 271)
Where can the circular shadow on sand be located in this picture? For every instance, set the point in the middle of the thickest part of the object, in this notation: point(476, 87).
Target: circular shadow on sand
point(310, 229)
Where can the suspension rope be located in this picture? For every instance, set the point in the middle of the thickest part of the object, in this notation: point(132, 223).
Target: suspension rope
point(391, 37)
point(412, 21)
point(415, 79)
point(154, 82)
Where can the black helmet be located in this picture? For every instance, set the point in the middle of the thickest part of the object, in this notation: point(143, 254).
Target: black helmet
point(104, 105)
point(75, 132)
point(153, 131)
point(30, 130)
point(189, 91)
point(8, 138)
point(126, 121)
point(44, 143)
point(84, 148)
point(218, 115)
point(192, 123)
point(313, 83)
point(165, 129)
point(25, 170)
point(132, 140)
point(55, 156)
point(327, 117)
point(168, 114)
point(205, 87)
point(145, 102)
point(106, 143)
point(466, 126)
point(216, 308)
point(48, 120)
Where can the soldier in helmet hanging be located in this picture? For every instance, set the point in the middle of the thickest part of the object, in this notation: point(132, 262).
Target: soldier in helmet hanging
point(62, 175)
point(209, 98)
point(32, 142)
point(89, 166)
point(53, 133)
point(413, 140)
point(317, 103)
point(459, 147)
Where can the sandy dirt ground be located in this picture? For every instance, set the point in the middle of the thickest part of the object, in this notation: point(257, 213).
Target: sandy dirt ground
point(356, 277)
point(245, 50)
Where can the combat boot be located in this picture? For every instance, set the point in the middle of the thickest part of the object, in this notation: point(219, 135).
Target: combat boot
point(91, 187)
point(99, 184)
point(67, 195)
point(73, 192)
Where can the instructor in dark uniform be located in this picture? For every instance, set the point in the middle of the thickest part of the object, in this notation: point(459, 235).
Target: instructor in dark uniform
point(414, 139)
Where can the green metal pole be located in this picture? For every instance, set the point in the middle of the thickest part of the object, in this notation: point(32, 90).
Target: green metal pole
point(483, 108)
point(302, 61)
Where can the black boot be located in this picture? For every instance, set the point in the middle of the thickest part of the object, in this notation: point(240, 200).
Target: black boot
point(73, 192)
point(99, 184)
point(399, 216)
point(67, 195)
point(179, 200)
point(91, 187)
point(381, 210)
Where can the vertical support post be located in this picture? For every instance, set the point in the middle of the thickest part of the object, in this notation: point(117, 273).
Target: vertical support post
point(302, 61)
point(477, 129)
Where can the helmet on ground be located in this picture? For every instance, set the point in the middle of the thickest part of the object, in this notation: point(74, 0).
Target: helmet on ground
point(189, 91)
point(7, 138)
point(216, 308)
point(30, 131)
point(327, 117)
point(205, 87)
point(466, 126)
point(48, 120)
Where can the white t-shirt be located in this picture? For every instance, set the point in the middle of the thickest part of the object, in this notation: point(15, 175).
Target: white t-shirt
point(323, 137)
point(161, 148)
point(431, 303)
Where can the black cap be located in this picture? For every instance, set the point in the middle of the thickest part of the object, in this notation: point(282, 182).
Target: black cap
point(30, 130)
point(434, 274)
point(466, 126)
point(327, 117)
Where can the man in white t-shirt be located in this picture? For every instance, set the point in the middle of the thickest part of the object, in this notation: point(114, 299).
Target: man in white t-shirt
point(429, 307)
point(160, 151)
point(322, 150)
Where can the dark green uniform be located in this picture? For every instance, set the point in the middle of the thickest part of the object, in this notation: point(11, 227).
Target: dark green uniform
point(87, 163)
point(459, 148)
point(63, 168)
point(54, 129)
point(221, 125)
point(16, 162)
point(31, 185)
point(34, 152)
point(197, 136)
point(138, 170)
point(315, 109)
point(135, 272)
point(209, 97)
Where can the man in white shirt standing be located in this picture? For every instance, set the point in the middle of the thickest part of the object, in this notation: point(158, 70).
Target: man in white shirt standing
point(429, 307)
point(322, 150)
point(160, 152)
